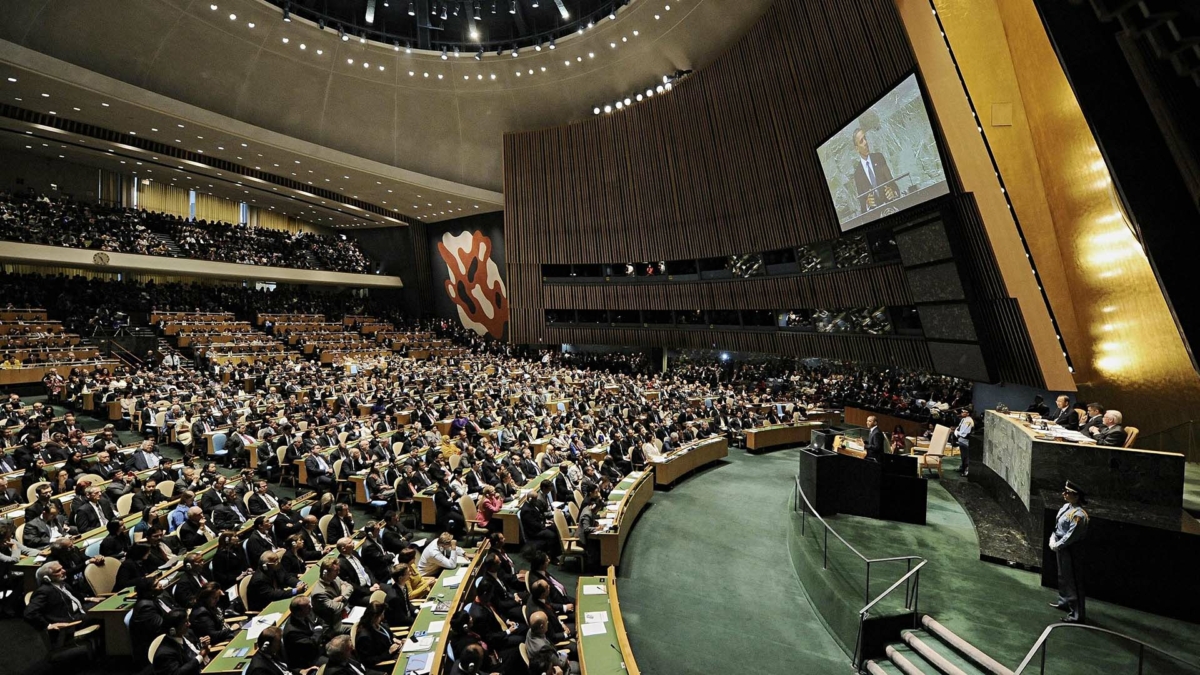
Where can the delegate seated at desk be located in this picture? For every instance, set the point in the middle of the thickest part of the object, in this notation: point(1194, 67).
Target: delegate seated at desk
point(1110, 433)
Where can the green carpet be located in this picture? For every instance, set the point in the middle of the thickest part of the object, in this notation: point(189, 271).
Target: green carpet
point(706, 584)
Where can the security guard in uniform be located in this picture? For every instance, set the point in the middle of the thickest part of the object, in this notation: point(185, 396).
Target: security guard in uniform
point(1069, 531)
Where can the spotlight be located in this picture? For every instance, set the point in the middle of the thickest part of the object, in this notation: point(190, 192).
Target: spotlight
point(479, 55)
point(493, 6)
point(412, 8)
point(512, 6)
point(639, 97)
point(456, 9)
point(551, 43)
point(658, 89)
point(627, 101)
point(538, 47)
point(444, 13)
point(649, 93)
point(596, 110)
point(395, 45)
point(407, 47)
point(443, 53)
point(612, 15)
point(534, 4)
point(321, 24)
point(500, 51)
point(620, 105)
point(476, 10)
point(287, 12)
point(516, 50)
point(456, 53)
point(608, 108)
point(342, 34)
point(474, 33)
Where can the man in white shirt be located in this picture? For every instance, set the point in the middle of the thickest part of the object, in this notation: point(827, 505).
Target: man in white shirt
point(443, 554)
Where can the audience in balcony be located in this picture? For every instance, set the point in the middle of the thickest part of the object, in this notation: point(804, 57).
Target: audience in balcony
point(31, 219)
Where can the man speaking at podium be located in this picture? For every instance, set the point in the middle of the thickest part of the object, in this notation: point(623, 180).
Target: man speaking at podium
point(872, 177)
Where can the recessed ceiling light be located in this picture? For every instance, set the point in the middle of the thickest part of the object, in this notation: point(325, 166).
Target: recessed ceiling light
point(104, 104)
point(45, 95)
point(251, 24)
point(286, 40)
point(303, 46)
point(12, 79)
point(320, 52)
point(233, 17)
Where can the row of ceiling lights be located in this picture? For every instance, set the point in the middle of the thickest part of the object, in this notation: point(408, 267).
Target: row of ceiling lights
point(445, 53)
point(621, 103)
point(219, 148)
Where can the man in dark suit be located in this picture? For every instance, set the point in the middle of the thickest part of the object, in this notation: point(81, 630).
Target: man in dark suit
point(269, 583)
point(146, 497)
point(52, 606)
point(1111, 434)
point(314, 544)
point(302, 636)
point(95, 512)
point(342, 661)
point(355, 572)
point(1064, 415)
point(231, 514)
point(261, 540)
point(146, 456)
point(181, 652)
point(876, 444)
point(262, 501)
point(320, 471)
point(9, 496)
point(872, 177)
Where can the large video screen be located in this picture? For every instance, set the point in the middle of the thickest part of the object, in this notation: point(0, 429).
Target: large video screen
point(885, 161)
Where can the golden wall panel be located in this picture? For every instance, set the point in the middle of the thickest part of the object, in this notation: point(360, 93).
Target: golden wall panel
point(1124, 342)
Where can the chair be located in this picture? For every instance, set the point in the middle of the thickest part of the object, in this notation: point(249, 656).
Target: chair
point(397, 447)
point(90, 478)
point(93, 549)
point(102, 578)
point(160, 422)
point(1082, 416)
point(455, 461)
point(167, 489)
point(538, 460)
point(378, 597)
point(183, 433)
point(578, 498)
point(124, 503)
point(376, 505)
point(246, 500)
point(470, 513)
point(31, 493)
point(218, 445)
point(658, 443)
point(342, 435)
point(323, 526)
point(154, 647)
point(286, 470)
point(570, 544)
point(524, 653)
point(932, 459)
point(574, 510)
point(49, 637)
point(305, 511)
point(243, 593)
point(339, 483)
point(20, 533)
point(406, 507)
point(1131, 434)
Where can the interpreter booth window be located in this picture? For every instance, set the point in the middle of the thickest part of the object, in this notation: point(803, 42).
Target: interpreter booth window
point(683, 270)
point(560, 316)
point(872, 321)
point(715, 268)
point(851, 251)
point(689, 317)
point(557, 271)
point(746, 266)
point(832, 321)
point(626, 316)
point(815, 257)
point(593, 316)
point(723, 317)
point(587, 271)
point(883, 246)
point(656, 317)
point(798, 319)
point(758, 318)
point(782, 261)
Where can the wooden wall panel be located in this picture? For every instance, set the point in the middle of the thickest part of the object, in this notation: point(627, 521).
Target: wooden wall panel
point(724, 164)
point(865, 287)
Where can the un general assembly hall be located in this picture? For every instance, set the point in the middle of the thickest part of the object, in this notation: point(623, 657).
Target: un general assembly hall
point(599, 337)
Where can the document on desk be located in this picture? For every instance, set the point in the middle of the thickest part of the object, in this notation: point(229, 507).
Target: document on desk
point(592, 629)
point(617, 493)
point(260, 623)
point(419, 664)
point(595, 589)
point(435, 627)
point(422, 644)
point(354, 615)
point(595, 617)
point(454, 581)
point(636, 474)
point(420, 543)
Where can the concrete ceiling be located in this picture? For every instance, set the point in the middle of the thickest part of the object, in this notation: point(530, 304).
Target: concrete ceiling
point(441, 120)
point(212, 136)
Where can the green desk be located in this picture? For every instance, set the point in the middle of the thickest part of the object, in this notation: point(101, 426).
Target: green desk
point(624, 510)
point(456, 598)
point(606, 653)
point(29, 566)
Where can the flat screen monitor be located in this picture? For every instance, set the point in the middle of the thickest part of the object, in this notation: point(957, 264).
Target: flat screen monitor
point(885, 161)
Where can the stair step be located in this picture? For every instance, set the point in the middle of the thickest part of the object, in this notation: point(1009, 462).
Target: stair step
point(905, 661)
point(939, 655)
point(959, 646)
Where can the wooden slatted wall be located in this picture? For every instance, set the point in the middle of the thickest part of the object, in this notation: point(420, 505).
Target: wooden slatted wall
point(725, 163)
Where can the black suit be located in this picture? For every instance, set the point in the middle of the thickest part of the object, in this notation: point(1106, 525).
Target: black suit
point(206, 623)
point(1067, 419)
point(176, 658)
point(48, 605)
point(265, 588)
point(862, 183)
point(256, 545)
point(301, 642)
point(191, 535)
point(229, 516)
point(876, 444)
point(87, 516)
point(1113, 436)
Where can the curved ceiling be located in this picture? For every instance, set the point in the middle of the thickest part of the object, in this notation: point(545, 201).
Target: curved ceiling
point(443, 118)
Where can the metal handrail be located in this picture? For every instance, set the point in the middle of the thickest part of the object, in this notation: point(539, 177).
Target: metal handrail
point(1142, 647)
point(910, 579)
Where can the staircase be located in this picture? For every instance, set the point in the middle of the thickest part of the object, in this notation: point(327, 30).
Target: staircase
point(172, 246)
point(932, 650)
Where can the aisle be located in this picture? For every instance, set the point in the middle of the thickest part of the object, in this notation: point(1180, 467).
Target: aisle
point(706, 584)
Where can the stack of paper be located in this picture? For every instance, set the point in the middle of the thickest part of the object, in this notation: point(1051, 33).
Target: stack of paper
point(421, 644)
point(595, 589)
point(354, 615)
point(454, 581)
point(435, 627)
point(595, 617)
point(592, 629)
point(616, 493)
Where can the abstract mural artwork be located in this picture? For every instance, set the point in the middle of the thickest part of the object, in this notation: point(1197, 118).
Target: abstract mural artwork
point(474, 284)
